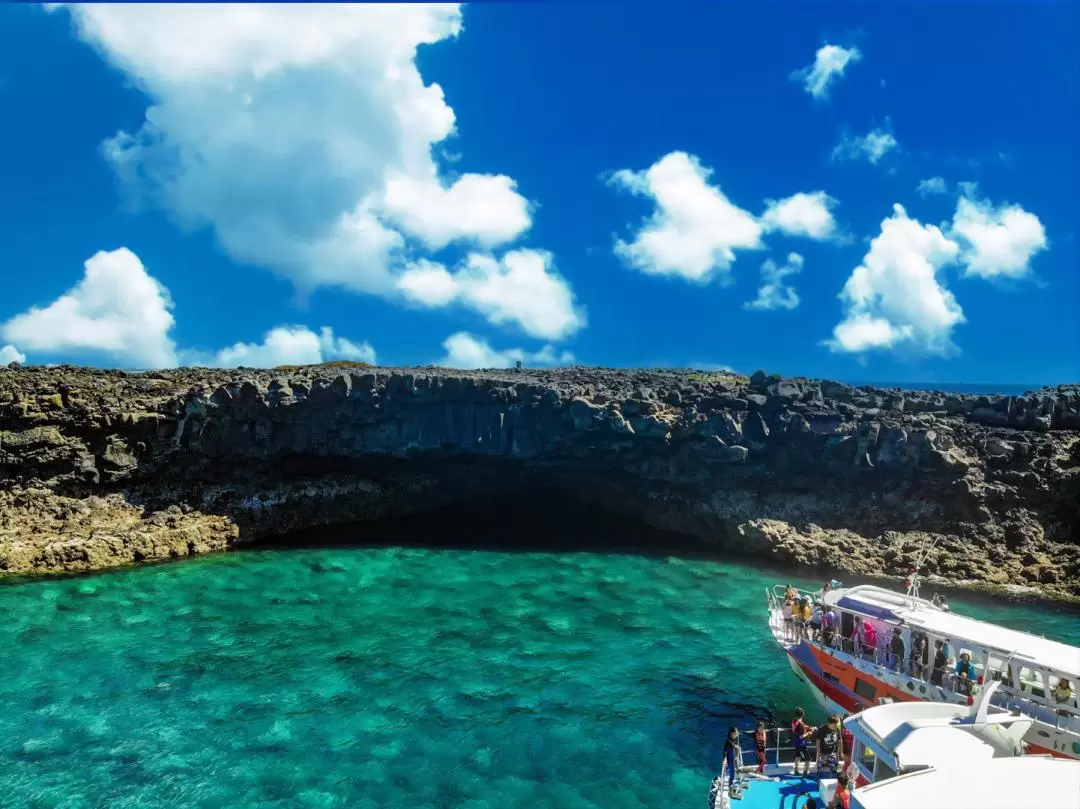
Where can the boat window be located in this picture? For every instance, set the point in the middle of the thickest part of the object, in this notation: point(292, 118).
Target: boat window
point(866, 757)
point(865, 689)
point(995, 668)
point(1031, 682)
point(883, 771)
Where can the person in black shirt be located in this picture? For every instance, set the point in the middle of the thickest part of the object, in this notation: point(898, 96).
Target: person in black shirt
point(896, 650)
point(828, 742)
point(919, 656)
point(941, 660)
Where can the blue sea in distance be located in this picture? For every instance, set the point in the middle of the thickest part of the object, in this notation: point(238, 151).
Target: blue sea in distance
point(956, 387)
point(394, 678)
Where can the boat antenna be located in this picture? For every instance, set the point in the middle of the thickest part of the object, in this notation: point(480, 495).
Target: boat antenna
point(914, 578)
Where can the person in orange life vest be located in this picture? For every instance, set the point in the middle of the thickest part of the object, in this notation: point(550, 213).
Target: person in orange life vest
point(842, 798)
point(759, 745)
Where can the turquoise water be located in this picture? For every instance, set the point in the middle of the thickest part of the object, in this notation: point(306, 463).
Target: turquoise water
point(391, 678)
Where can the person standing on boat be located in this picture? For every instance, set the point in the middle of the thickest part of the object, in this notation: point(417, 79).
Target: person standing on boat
point(759, 746)
point(941, 660)
point(828, 627)
point(869, 640)
point(828, 742)
point(789, 619)
point(806, 614)
point(920, 651)
point(847, 743)
point(896, 650)
point(815, 622)
point(800, 739)
point(856, 633)
point(732, 755)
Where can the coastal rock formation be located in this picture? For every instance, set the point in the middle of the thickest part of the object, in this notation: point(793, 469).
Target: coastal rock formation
point(105, 468)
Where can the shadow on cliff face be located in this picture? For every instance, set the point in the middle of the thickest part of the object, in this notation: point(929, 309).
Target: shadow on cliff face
point(514, 520)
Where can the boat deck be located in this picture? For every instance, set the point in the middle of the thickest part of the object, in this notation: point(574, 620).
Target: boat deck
point(782, 791)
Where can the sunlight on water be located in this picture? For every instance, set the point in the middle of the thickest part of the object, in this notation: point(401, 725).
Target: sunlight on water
point(390, 678)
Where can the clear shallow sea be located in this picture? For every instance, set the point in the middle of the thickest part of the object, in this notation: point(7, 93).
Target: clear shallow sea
point(392, 678)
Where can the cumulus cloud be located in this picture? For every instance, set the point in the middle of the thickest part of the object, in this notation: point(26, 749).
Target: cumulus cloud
point(301, 135)
point(931, 186)
point(997, 242)
point(895, 298)
point(293, 345)
point(9, 354)
point(464, 350)
point(801, 214)
point(872, 146)
point(520, 289)
point(830, 61)
point(694, 230)
point(117, 309)
point(774, 293)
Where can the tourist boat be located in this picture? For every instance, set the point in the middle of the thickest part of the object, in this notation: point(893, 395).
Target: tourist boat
point(851, 668)
point(924, 754)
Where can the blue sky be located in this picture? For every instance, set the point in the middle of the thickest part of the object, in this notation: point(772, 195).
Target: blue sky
point(708, 185)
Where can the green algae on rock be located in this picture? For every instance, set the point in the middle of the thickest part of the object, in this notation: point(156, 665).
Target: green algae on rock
point(794, 470)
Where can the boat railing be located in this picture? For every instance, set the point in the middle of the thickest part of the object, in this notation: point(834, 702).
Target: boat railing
point(779, 752)
point(1062, 715)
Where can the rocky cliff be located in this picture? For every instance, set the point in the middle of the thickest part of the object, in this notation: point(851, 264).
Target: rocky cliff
point(105, 468)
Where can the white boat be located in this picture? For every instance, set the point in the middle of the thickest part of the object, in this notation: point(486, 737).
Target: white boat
point(930, 755)
point(849, 670)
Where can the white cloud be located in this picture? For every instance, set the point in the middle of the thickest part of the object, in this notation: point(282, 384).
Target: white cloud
point(301, 134)
point(520, 289)
point(773, 292)
point(695, 229)
point(829, 64)
point(997, 242)
point(895, 298)
point(464, 350)
point(428, 284)
point(9, 354)
point(801, 214)
point(873, 146)
point(293, 345)
point(486, 207)
point(932, 185)
point(117, 309)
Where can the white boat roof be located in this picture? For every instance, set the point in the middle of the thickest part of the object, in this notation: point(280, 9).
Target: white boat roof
point(917, 733)
point(1002, 783)
point(888, 605)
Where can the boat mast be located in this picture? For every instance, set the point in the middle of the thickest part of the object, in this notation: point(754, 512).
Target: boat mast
point(914, 578)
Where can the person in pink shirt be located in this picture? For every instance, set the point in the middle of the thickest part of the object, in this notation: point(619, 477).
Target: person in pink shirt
point(869, 640)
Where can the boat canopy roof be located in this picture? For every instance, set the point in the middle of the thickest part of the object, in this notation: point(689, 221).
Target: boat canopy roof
point(916, 733)
point(893, 607)
point(1002, 783)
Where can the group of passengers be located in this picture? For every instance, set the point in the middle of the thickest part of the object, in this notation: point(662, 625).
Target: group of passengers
point(829, 745)
point(808, 618)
